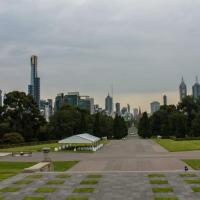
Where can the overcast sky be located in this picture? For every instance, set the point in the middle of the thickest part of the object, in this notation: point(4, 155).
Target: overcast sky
point(142, 47)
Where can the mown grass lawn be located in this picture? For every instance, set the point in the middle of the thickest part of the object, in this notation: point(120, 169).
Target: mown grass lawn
point(9, 169)
point(194, 163)
point(175, 146)
point(33, 148)
point(61, 166)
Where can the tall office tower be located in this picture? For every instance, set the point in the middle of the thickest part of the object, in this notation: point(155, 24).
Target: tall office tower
point(34, 87)
point(72, 98)
point(135, 113)
point(196, 89)
point(182, 90)
point(1, 98)
point(50, 103)
point(109, 104)
point(59, 102)
point(117, 107)
point(165, 100)
point(155, 106)
point(129, 108)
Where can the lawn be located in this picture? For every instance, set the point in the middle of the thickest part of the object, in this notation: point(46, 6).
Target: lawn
point(166, 198)
point(194, 163)
point(158, 182)
point(89, 182)
point(46, 190)
point(175, 146)
point(34, 148)
point(156, 175)
point(77, 198)
point(8, 169)
point(33, 198)
point(83, 190)
point(162, 190)
point(61, 166)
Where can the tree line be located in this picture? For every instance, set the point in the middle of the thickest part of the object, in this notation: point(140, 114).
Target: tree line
point(21, 121)
point(180, 121)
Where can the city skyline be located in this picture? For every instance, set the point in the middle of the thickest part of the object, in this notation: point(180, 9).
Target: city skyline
point(142, 51)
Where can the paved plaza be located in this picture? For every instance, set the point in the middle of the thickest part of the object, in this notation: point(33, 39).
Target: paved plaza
point(125, 168)
point(132, 154)
point(110, 186)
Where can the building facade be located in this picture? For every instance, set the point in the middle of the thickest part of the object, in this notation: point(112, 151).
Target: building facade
point(196, 89)
point(1, 98)
point(155, 106)
point(118, 109)
point(182, 90)
point(109, 104)
point(165, 100)
point(34, 87)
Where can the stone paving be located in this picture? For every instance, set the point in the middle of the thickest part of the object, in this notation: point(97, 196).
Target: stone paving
point(111, 186)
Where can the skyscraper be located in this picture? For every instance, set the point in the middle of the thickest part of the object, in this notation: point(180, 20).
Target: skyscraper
point(34, 87)
point(155, 106)
point(196, 89)
point(129, 108)
point(1, 98)
point(109, 104)
point(182, 90)
point(117, 105)
point(165, 100)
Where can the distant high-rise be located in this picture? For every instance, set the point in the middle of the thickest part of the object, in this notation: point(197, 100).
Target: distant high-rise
point(59, 102)
point(135, 112)
point(1, 98)
point(165, 100)
point(117, 105)
point(109, 104)
point(34, 87)
point(129, 108)
point(196, 89)
point(155, 106)
point(182, 90)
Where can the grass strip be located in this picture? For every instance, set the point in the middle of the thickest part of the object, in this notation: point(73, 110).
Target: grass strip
point(94, 176)
point(162, 190)
point(10, 189)
point(24, 182)
point(197, 181)
point(77, 198)
point(89, 182)
point(33, 198)
point(64, 176)
point(156, 175)
point(159, 182)
point(187, 175)
point(196, 189)
point(83, 190)
point(35, 176)
point(166, 198)
point(55, 182)
point(46, 190)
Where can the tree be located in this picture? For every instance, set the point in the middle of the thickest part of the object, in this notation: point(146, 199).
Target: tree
point(189, 107)
point(103, 125)
point(120, 129)
point(178, 124)
point(23, 114)
point(196, 126)
point(144, 126)
point(65, 122)
point(12, 138)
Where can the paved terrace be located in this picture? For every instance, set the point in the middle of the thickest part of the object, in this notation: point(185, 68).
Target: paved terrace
point(132, 154)
point(111, 186)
